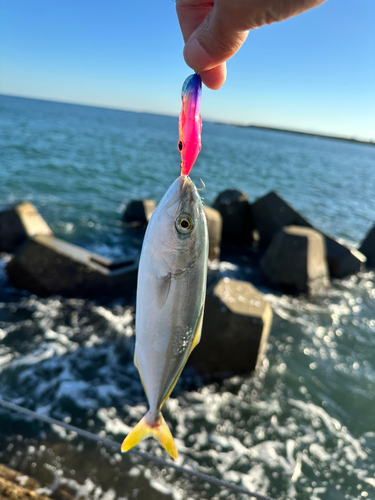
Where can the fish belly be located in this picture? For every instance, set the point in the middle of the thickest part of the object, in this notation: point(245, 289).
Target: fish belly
point(165, 332)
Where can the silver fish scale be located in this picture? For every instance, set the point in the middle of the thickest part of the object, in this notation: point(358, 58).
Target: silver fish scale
point(181, 339)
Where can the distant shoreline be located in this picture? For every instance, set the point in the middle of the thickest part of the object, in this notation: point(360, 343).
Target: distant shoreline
point(260, 127)
point(300, 132)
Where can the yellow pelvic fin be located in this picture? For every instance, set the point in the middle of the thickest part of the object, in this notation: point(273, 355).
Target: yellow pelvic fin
point(159, 430)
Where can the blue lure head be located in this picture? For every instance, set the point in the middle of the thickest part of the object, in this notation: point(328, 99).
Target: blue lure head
point(192, 85)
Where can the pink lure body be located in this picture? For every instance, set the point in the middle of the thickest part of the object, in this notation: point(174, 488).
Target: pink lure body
point(190, 123)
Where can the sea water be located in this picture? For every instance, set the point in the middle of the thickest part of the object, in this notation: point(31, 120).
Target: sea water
point(302, 428)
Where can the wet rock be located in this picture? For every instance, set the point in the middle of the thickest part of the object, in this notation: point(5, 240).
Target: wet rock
point(271, 213)
point(215, 226)
point(238, 223)
point(63, 492)
point(138, 212)
point(19, 222)
point(46, 265)
point(236, 325)
point(342, 261)
point(16, 486)
point(296, 260)
point(368, 247)
point(18, 478)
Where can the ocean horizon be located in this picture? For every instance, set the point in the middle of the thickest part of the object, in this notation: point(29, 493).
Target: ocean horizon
point(229, 123)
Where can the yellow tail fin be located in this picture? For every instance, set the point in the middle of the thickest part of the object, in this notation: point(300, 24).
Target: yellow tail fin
point(158, 429)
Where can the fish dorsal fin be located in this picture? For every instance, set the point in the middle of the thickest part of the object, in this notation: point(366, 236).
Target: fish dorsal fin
point(163, 285)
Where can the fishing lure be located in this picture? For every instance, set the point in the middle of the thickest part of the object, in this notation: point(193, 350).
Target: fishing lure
point(190, 123)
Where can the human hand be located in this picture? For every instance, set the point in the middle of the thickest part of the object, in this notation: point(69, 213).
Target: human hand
point(214, 30)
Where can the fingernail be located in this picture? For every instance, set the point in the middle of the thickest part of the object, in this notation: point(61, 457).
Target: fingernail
point(195, 55)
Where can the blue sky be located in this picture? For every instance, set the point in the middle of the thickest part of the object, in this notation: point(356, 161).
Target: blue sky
point(315, 72)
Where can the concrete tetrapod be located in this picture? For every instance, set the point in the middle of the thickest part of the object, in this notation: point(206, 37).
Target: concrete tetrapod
point(236, 324)
point(368, 247)
point(296, 260)
point(238, 224)
point(271, 213)
point(138, 212)
point(342, 261)
point(46, 265)
point(19, 222)
point(214, 226)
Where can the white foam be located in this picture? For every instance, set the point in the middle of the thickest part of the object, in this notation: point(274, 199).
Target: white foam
point(76, 391)
point(113, 425)
point(118, 322)
point(22, 480)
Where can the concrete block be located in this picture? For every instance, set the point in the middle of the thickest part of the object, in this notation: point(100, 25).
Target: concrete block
point(138, 212)
point(271, 213)
point(296, 260)
point(368, 247)
point(236, 325)
point(342, 261)
point(46, 265)
point(238, 223)
point(19, 222)
point(215, 227)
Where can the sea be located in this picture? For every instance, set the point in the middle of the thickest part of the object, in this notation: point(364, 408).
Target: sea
point(303, 427)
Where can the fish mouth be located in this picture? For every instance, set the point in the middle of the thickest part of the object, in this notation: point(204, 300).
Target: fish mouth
point(188, 194)
point(181, 196)
point(187, 188)
point(187, 182)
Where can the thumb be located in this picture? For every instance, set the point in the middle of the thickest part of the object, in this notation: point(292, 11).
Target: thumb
point(227, 24)
point(216, 39)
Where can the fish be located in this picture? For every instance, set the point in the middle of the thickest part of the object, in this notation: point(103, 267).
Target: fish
point(190, 123)
point(171, 293)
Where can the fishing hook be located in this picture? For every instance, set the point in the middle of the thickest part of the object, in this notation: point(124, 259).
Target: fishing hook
point(203, 186)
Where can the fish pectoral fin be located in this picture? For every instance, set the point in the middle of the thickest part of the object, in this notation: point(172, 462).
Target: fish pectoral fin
point(163, 285)
point(159, 429)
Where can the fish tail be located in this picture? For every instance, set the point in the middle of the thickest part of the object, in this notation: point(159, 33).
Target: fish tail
point(157, 428)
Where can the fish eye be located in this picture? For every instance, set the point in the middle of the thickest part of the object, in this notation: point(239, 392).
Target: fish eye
point(184, 224)
point(180, 146)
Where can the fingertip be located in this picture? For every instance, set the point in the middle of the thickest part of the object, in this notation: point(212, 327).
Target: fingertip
point(214, 78)
point(195, 55)
point(213, 74)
